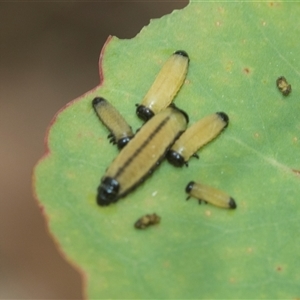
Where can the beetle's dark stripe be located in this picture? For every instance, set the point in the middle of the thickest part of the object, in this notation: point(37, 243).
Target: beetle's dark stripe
point(142, 156)
point(143, 145)
point(152, 169)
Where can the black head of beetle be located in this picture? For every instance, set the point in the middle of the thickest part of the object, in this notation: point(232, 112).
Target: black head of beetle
point(224, 117)
point(189, 186)
point(182, 53)
point(107, 191)
point(175, 158)
point(144, 112)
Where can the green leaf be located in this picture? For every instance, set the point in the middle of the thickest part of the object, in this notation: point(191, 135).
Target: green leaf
point(237, 51)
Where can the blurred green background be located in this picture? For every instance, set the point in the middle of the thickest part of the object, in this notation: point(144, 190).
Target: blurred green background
point(48, 56)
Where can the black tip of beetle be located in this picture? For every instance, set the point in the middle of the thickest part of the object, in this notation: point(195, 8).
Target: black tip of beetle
point(144, 112)
point(175, 159)
point(189, 186)
point(182, 53)
point(232, 203)
point(107, 191)
point(98, 100)
point(224, 117)
point(123, 142)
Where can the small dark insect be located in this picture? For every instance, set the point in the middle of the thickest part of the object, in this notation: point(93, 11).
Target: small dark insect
point(284, 87)
point(146, 221)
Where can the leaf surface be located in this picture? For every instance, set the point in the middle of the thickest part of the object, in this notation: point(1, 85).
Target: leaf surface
point(237, 51)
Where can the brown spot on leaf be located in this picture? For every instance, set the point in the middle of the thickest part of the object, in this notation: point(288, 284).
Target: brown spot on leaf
point(279, 268)
point(232, 280)
point(249, 250)
point(229, 66)
point(274, 4)
point(297, 172)
point(246, 70)
point(208, 213)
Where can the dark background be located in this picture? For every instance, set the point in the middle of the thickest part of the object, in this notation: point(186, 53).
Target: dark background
point(48, 56)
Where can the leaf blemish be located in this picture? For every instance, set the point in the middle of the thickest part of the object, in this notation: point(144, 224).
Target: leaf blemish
point(208, 213)
point(246, 71)
point(274, 4)
point(250, 250)
point(221, 10)
point(232, 280)
point(229, 66)
point(297, 172)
